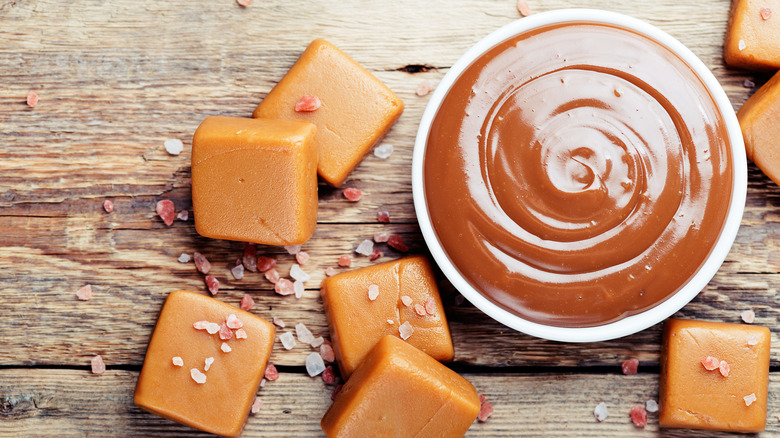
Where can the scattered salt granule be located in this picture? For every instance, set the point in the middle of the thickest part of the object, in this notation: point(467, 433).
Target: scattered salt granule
point(32, 98)
point(212, 328)
point(523, 9)
point(258, 403)
point(741, 45)
point(183, 215)
point(328, 375)
point(288, 340)
point(365, 248)
point(247, 302)
point(249, 259)
point(752, 340)
point(201, 263)
point(173, 146)
point(419, 309)
point(225, 333)
point(326, 351)
point(382, 216)
point(375, 255)
point(298, 289)
point(284, 287)
point(424, 88)
point(302, 257)
point(166, 211)
point(319, 340)
point(485, 411)
point(405, 330)
point(748, 83)
point(381, 237)
point(601, 412)
point(308, 103)
point(238, 272)
point(314, 364)
point(108, 206)
point(748, 316)
point(213, 284)
point(749, 399)
point(639, 416)
point(278, 322)
point(373, 292)
point(233, 322)
point(197, 376)
point(262, 382)
point(724, 368)
point(345, 261)
point(225, 348)
point(335, 392)
point(390, 321)
point(209, 361)
point(304, 334)
point(459, 299)
point(397, 242)
point(630, 366)
point(651, 406)
point(178, 361)
point(299, 274)
point(271, 373)
point(265, 263)
point(84, 293)
point(184, 258)
point(383, 151)
point(200, 325)
point(98, 366)
point(430, 306)
point(240, 334)
point(710, 363)
point(272, 276)
point(293, 249)
point(407, 300)
point(330, 271)
point(352, 194)
point(766, 14)
point(482, 399)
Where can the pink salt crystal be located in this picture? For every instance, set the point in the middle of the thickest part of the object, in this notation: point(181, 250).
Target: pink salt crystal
point(249, 259)
point(108, 206)
point(201, 263)
point(178, 361)
point(373, 292)
point(485, 411)
point(329, 376)
point(32, 98)
point(298, 288)
point(302, 257)
point(748, 83)
point(288, 340)
point(375, 255)
point(166, 211)
point(197, 376)
point(639, 416)
point(749, 399)
point(200, 325)
point(293, 249)
point(326, 351)
point(601, 412)
point(419, 309)
point(381, 237)
point(265, 263)
point(365, 248)
point(225, 348)
point(262, 382)
point(766, 14)
point(233, 322)
point(208, 362)
point(284, 287)
point(238, 272)
point(98, 366)
point(212, 328)
point(752, 340)
point(630, 367)
point(345, 261)
point(710, 363)
point(308, 104)
point(335, 392)
point(430, 306)
point(523, 9)
point(278, 322)
point(272, 276)
point(240, 334)
point(405, 330)
point(481, 399)
point(382, 216)
point(724, 368)
point(184, 258)
point(330, 271)
point(84, 293)
point(397, 242)
point(319, 340)
point(183, 215)
point(258, 403)
point(748, 316)
point(314, 364)
point(407, 300)
point(247, 302)
point(225, 333)
point(352, 194)
point(271, 373)
point(304, 334)
point(213, 284)
point(423, 88)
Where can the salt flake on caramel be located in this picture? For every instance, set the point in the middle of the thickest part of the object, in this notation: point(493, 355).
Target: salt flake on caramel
point(406, 300)
point(225, 348)
point(240, 334)
point(430, 306)
point(177, 361)
point(225, 333)
point(724, 368)
point(197, 376)
point(308, 104)
point(750, 398)
point(405, 330)
point(373, 292)
point(212, 328)
point(766, 13)
point(207, 363)
point(233, 322)
point(710, 363)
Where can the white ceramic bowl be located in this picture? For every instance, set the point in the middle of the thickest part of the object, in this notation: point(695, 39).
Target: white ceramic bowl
point(631, 324)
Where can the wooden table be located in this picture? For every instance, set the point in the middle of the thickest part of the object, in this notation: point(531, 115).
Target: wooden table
point(117, 78)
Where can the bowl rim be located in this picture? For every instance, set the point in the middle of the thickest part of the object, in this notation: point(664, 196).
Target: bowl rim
point(630, 324)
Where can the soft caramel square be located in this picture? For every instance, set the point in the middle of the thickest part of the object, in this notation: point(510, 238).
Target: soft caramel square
point(357, 108)
point(691, 396)
point(753, 36)
point(221, 404)
point(759, 117)
point(255, 180)
point(356, 322)
point(400, 391)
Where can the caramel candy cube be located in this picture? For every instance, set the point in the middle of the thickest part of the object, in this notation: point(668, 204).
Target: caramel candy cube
point(758, 118)
point(400, 391)
point(357, 109)
point(255, 180)
point(356, 322)
point(695, 397)
point(221, 404)
point(753, 36)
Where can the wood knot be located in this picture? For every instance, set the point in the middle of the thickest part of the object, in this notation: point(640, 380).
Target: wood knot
point(416, 68)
